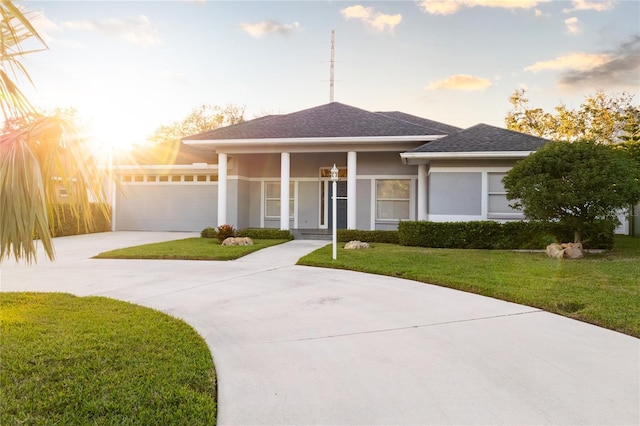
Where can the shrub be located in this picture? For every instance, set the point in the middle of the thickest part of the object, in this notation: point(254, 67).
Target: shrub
point(225, 231)
point(265, 234)
point(346, 235)
point(65, 222)
point(502, 236)
point(208, 233)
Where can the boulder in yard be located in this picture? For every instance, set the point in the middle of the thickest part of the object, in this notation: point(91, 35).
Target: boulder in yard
point(237, 241)
point(555, 250)
point(355, 245)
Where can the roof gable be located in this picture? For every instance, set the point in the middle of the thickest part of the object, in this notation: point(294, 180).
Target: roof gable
point(484, 138)
point(333, 120)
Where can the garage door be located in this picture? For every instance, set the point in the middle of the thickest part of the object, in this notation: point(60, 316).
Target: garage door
point(167, 207)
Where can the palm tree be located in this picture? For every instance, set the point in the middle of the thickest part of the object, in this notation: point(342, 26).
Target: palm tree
point(39, 155)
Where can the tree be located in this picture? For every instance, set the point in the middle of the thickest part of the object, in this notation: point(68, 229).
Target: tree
point(574, 183)
point(200, 119)
point(602, 118)
point(39, 154)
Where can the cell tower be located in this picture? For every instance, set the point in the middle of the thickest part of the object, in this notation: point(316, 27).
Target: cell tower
point(331, 79)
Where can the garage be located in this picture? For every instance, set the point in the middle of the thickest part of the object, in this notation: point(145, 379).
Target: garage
point(180, 199)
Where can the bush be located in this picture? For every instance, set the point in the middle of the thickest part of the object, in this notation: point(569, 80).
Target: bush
point(208, 233)
point(265, 234)
point(500, 236)
point(346, 235)
point(65, 222)
point(225, 231)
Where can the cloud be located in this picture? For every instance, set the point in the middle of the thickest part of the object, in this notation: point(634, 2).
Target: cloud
point(619, 66)
point(460, 82)
point(622, 67)
point(574, 61)
point(262, 28)
point(539, 13)
point(375, 20)
point(136, 30)
point(597, 5)
point(448, 7)
point(573, 25)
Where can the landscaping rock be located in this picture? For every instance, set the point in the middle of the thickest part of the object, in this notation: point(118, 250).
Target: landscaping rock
point(355, 245)
point(237, 241)
point(555, 250)
point(565, 251)
point(573, 251)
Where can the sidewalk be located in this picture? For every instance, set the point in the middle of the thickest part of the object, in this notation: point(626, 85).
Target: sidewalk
point(301, 345)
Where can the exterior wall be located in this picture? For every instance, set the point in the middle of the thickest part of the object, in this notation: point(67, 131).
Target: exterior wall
point(455, 194)
point(469, 190)
point(363, 214)
point(166, 207)
point(308, 204)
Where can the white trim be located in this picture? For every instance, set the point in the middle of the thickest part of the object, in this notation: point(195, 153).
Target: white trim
point(324, 205)
point(352, 168)
point(368, 177)
point(454, 218)
point(484, 190)
point(262, 202)
point(374, 199)
point(285, 178)
point(222, 189)
point(295, 204)
point(425, 157)
point(422, 194)
point(453, 169)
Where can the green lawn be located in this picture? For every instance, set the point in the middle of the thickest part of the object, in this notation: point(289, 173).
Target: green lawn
point(78, 361)
point(602, 289)
point(188, 249)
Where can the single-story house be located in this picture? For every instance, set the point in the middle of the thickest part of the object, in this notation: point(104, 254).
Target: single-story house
point(392, 166)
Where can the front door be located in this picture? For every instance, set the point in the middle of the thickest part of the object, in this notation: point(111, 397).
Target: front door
point(341, 207)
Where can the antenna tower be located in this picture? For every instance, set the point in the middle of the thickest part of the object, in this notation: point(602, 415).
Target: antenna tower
point(331, 79)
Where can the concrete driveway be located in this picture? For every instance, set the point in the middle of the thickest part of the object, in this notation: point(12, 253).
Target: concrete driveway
point(300, 345)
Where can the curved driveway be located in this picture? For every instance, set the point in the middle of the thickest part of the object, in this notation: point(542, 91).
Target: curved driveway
point(300, 345)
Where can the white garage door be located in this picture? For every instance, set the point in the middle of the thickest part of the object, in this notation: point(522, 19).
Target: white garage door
point(167, 207)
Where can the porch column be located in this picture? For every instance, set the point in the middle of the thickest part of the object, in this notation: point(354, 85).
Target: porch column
point(222, 189)
point(284, 190)
point(422, 192)
point(352, 162)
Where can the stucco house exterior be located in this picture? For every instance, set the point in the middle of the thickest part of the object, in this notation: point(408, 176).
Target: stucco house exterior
point(274, 172)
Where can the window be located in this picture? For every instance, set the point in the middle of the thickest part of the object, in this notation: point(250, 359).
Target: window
point(272, 199)
point(392, 199)
point(497, 202)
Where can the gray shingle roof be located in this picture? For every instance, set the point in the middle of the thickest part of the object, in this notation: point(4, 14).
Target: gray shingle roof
point(430, 124)
point(326, 121)
point(484, 138)
point(172, 153)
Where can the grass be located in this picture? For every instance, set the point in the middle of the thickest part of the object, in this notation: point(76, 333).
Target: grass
point(188, 249)
point(602, 289)
point(92, 360)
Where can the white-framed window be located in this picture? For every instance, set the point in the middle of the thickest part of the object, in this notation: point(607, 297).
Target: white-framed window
point(393, 199)
point(497, 202)
point(272, 199)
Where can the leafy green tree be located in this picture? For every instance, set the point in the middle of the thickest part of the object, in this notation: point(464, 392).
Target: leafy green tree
point(601, 118)
point(39, 155)
point(574, 183)
point(200, 119)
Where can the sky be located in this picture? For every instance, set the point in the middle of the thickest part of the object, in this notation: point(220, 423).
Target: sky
point(129, 67)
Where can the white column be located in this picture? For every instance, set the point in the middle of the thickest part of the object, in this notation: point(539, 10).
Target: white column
point(222, 189)
point(352, 170)
point(422, 192)
point(284, 190)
